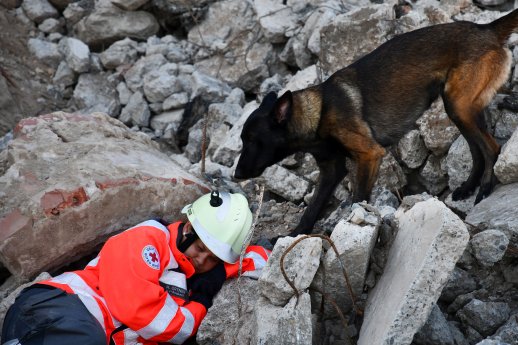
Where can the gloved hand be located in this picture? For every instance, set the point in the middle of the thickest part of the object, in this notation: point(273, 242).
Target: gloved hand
point(206, 285)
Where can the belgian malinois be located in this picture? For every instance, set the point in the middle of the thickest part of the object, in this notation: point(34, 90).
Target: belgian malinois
point(373, 102)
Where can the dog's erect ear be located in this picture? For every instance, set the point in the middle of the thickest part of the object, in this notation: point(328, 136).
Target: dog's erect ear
point(283, 108)
point(269, 99)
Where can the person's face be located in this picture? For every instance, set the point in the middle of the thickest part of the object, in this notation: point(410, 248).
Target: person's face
point(201, 257)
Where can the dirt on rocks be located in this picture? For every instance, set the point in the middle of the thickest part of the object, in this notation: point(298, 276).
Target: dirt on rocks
point(23, 78)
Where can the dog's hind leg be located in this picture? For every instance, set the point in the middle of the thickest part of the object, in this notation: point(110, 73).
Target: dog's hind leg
point(332, 171)
point(467, 187)
point(467, 93)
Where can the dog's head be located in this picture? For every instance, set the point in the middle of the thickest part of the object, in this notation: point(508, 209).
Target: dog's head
point(264, 136)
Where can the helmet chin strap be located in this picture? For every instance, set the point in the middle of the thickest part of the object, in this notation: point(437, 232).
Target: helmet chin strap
point(189, 238)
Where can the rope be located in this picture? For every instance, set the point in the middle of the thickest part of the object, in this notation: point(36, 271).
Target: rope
point(357, 310)
point(204, 142)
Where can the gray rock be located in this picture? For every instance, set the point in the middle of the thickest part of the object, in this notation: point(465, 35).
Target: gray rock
point(300, 265)
point(74, 12)
point(224, 323)
point(506, 167)
point(457, 334)
point(489, 246)
point(278, 21)
point(210, 88)
point(355, 34)
point(302, 79)
point(95, 92)
point(162, 83)
point(39, 10)
point(498, 211)
point(458, 163)
point(175, 101)
point(136, 111)
point(45, 51)
point(236, 96)
point(432, 175)
point(76, 53)
point(509, 331)
point(51, 25)
point(124, 93)
point(283, 182)
point(289, 324)
point(412, 150)
point(506, 124)
point(106, 25)
point(460, 282)
point(230, 27)
point(229, 150)
point(193, 149)
point(390, 175)
point(119, 53)
point(484, 317)
point(437, 130)
point(134, 76)
point(64, 75)
point(354, 243)
point(171, 118)
point(436, 330)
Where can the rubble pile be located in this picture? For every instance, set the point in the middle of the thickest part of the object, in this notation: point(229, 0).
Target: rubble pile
point(140, 101)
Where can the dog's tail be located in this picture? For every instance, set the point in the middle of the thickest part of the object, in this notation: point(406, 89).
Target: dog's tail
point(505, 26)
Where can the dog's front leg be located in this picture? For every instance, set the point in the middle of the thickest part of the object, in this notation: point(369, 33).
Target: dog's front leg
point(368, 164)
point(332, 171)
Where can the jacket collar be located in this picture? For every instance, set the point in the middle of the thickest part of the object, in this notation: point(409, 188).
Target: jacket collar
point(183, 261)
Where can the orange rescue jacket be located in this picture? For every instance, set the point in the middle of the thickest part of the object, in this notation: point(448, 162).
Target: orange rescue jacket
point(123, 287)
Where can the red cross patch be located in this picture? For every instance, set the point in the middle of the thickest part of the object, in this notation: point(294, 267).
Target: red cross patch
point(151, 257)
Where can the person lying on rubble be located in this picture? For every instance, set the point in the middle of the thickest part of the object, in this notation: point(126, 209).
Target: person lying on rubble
point(150, 284)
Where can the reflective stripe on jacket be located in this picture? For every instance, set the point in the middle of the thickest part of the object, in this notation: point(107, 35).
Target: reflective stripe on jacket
point(254, 260)
point(129, 300)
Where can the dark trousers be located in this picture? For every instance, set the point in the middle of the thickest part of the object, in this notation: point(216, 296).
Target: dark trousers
point(43, 315)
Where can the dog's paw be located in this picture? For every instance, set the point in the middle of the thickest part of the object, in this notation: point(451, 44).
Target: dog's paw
point(462, 192)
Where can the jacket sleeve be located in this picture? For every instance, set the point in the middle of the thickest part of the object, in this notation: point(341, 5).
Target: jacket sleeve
point(254, 260)
point(130, 266)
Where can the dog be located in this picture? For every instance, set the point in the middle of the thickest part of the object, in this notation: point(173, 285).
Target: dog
point(372, 103)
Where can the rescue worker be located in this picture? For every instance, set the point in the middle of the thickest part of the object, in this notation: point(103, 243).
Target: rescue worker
point(150, 284)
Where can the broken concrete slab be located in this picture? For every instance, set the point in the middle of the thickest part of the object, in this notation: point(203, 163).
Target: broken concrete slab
point(73, 180)
point(288, 325)
point(430, 240)
point(300, 265)
point(354, 243)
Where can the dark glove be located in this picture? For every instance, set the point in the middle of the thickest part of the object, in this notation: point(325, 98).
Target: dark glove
point(206, 285)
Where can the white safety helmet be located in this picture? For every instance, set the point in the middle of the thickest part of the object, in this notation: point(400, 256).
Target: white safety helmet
point(222, 222)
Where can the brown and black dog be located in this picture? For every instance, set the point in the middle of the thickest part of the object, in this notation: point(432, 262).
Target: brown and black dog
point(374, 101)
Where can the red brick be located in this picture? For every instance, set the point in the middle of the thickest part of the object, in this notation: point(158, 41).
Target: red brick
point(106, 184)
point(57, 200)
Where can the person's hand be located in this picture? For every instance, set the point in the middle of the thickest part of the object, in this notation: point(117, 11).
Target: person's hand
point(206, 285)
